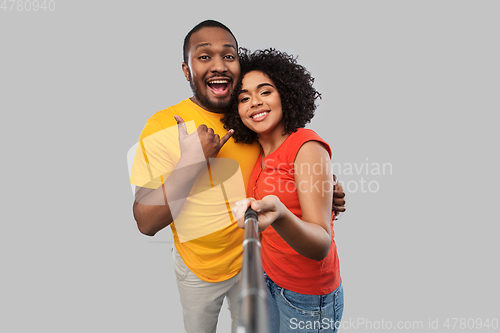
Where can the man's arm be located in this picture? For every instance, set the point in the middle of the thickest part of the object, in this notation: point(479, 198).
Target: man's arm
point(156, 209)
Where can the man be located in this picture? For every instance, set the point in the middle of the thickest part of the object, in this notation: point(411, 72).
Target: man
point(196, 178)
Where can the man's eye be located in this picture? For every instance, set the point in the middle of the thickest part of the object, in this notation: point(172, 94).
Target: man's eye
point(203, 57)
point(231, 57)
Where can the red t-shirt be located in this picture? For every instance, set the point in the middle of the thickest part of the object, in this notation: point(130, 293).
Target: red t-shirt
point(287, 268)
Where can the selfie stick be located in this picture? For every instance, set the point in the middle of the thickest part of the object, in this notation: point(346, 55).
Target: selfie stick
point(253, 313)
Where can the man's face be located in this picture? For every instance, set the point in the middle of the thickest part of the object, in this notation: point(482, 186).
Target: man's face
point(213, 68)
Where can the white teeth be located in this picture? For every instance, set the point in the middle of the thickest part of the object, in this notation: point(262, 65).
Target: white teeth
point(259, 115)
point(218, 81)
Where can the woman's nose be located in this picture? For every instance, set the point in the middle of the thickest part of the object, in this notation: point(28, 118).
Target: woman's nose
point(256, 101)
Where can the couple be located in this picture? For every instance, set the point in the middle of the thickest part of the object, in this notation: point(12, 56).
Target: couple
point(192, 179)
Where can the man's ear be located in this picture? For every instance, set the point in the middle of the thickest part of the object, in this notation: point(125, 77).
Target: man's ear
point(185, 69)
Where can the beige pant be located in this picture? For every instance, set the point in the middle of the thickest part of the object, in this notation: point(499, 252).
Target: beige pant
point(201, 301)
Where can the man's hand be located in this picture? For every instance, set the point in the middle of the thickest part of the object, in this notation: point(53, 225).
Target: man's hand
point(211, 143)
point(338, 202)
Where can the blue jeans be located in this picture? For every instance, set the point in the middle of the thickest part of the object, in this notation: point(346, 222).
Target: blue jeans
point(293, 312)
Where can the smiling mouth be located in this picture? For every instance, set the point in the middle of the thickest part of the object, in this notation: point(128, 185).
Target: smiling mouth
point(259, 115)
point(219, 87)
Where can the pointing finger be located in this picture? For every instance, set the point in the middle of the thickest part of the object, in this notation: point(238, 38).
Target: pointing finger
point(225, 138)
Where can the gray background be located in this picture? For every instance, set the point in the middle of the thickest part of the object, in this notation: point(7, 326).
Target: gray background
point(410, 83)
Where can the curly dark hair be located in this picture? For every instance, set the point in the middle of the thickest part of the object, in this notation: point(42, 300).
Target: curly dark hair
point(293, 82)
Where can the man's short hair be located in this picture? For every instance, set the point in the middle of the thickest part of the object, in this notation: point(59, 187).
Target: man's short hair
point(199, 26)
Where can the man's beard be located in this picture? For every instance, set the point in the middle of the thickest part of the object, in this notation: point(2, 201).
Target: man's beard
point(219, 106)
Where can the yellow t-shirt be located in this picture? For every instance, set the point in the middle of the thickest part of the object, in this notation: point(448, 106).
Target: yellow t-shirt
point(205, 232)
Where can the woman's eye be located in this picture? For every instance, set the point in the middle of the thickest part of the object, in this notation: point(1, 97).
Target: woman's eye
point(244, 99)
point(265, 93)
point(231, 57)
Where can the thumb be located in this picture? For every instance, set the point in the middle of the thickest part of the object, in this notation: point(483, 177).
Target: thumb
point(268, 203)
point(181, 127)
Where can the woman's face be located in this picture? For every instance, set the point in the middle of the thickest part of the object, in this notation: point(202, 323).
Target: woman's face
point(259, 104)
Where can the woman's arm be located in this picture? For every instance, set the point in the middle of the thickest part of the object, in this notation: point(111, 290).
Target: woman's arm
point(311, 236)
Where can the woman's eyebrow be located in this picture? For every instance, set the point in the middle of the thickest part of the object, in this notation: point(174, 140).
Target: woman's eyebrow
point(264, 84)
point(258, 87)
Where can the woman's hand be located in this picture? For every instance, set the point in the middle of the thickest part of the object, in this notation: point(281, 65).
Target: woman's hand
point(269, 209)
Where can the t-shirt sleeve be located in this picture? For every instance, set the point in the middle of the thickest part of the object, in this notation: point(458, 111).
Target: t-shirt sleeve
point(156, 155)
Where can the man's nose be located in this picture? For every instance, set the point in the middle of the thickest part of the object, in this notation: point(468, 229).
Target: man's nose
point(218, 65)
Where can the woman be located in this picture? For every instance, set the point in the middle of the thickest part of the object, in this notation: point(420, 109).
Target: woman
point(291, 189)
